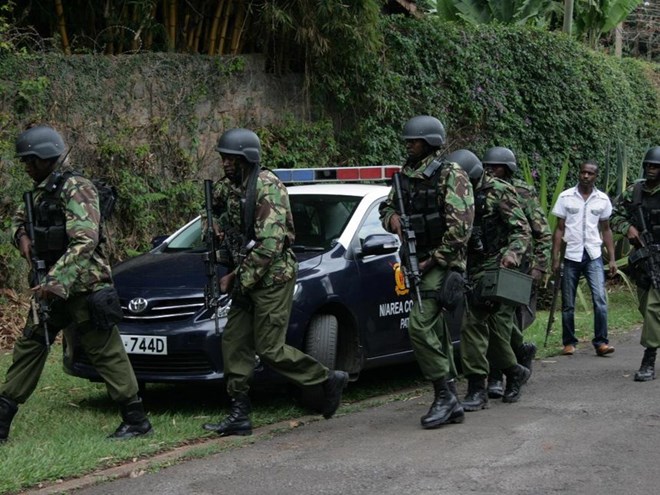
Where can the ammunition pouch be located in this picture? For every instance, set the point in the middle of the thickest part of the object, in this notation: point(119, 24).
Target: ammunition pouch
point(239, 300)
point(476, 243)
point(224, 257)
point(50, 242)
point(450, 294)
point(452, 291)
point(104, 308)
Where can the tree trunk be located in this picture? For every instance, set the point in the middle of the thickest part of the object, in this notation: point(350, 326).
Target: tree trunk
point(568, 16)
point(238, 28)
point(225, 24)
point(172, 26)
point(214, 26)
point(618, 40)
point(61, 24)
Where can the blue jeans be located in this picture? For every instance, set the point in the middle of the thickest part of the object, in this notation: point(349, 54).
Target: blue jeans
point(594, 273)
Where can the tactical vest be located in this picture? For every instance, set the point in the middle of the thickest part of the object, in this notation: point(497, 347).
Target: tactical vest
point(51, 240)
point(485, 230)
point(427, 216)
point(650, 204)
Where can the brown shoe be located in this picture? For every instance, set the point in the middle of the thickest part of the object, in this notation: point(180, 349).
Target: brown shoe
point(569, 350)
point(604, 349)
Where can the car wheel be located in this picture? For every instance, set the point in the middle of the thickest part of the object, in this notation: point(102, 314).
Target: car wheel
point(321, 341)
point(321, 344)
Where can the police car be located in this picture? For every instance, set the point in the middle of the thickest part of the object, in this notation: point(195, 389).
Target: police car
point(351, 303)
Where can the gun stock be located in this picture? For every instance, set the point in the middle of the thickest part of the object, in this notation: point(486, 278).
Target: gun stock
point(38, 271)
point(553, 305)
point(212, 290)
point(409, 258)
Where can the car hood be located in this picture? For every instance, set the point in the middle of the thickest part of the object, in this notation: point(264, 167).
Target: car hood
point(183, 270)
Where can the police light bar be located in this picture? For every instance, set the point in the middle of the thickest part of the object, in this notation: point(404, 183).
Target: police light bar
point(337, 174)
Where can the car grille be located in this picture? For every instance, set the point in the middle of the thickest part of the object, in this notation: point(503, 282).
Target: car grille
point(165, 309)
point(190, 363)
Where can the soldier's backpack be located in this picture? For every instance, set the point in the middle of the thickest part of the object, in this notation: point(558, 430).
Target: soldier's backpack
point(107, 193)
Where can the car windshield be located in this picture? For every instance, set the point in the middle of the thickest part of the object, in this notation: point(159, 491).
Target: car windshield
point(319, 220)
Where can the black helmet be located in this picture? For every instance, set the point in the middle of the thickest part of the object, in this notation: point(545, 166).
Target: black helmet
point(242, 142)
point(501, 156)
point(427, 128)
point(468, 162)
point(41, 141)
point(652, 156)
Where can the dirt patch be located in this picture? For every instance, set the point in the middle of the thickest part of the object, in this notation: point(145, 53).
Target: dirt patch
point(13, 309)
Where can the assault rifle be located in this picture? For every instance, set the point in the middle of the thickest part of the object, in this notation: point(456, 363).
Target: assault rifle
point(553, 305)
point(212, 290)
point(649, 250)
point(412, 276)
point(38, 272)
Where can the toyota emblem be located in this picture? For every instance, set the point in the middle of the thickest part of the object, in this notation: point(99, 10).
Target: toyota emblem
point(137, 305)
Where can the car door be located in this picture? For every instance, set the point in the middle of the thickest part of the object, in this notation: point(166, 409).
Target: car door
point(384, 301)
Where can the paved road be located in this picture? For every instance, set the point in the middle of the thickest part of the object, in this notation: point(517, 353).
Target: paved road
point(582, 426)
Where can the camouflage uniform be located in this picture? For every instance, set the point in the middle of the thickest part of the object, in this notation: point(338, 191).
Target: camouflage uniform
point(263, 291)
point(539, 250)
point(486, 331)
point(623, 217)
point(81, 270)
point(428, 330)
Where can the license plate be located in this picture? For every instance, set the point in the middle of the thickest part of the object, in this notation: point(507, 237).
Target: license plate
point(145, 344)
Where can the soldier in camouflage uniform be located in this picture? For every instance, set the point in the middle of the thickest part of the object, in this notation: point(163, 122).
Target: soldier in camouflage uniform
point(501, 238)
point(637, 216)
point(501, 163)
point(256, 224)
point(77, 287)
point(439, 200)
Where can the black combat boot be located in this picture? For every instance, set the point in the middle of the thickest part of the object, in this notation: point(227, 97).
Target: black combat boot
point(476, 397)
point(525, 355)
point(647, 369)
point(333, 388)
point(237, 421)
point(445, 408)
point(495, 384)
point(451, 385)
point(8, 410)
point(516, 377)
point(134, 421)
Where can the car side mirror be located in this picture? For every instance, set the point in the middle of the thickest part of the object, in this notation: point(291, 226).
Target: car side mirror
point(158, 240)
point(375, 244)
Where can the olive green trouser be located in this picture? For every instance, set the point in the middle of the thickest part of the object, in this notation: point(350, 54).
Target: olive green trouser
point(105, 351)
point(486, 338)
point(649, 306)
point(257, 324)
point(429, 334)
point(517, 338)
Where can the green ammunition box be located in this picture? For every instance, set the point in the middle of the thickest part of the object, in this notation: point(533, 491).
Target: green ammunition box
point(506, 286)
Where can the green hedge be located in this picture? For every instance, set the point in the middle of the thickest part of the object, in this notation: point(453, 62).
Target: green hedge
point(542, 94)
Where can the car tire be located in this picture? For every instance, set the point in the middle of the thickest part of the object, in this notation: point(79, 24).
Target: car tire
point(321, 344)
point(321, 341)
